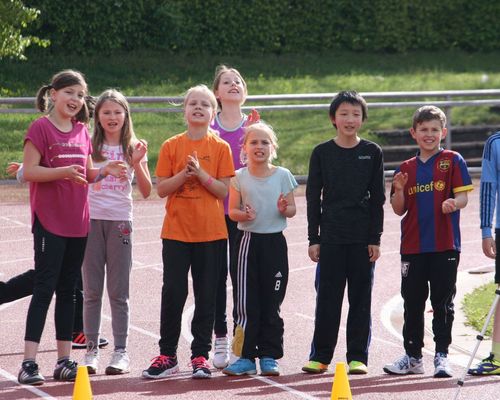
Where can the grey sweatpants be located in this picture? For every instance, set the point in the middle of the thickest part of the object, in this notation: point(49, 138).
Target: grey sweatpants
point(108, 254)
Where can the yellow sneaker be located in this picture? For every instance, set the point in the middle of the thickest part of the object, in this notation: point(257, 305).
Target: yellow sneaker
point(489, 366)
point(315, 367)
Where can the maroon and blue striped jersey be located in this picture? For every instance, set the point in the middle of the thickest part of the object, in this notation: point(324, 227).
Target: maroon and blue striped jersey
point(424, 228)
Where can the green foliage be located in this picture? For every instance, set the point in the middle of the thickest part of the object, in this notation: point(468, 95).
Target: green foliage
point(158, 73)
point(14, 19)
point(269, 26)
point(476, 306)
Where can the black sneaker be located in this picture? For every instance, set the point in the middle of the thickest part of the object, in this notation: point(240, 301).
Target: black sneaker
point(80, 341)
point(29, 374)
point(66, 371)
point(161, 367)
point(201, 368)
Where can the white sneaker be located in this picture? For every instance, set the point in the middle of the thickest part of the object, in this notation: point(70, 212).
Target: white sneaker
point(221, 352)
point(442, 366)
point(91, 359)
point(119, 364)
point(405, 365)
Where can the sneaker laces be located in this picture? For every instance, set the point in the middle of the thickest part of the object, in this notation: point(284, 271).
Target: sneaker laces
point(159, 361)
point(199, 362)
point(403, 362)
point(118, 355)
point(30, 367)
point(268, 363)
point(92, 347)
point(440, 360)
point(221, 345)
point(69, 364)
point(91, 354)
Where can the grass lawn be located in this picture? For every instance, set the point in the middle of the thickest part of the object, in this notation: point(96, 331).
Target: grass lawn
point(163, 74)
point(476, 306)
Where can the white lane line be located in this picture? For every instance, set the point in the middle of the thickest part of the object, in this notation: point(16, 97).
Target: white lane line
point(17, 260)
point(285, 388)
point(15, 222)
point(136, 328)
point(27, 239)
point(12, 303)
point(32, 389)
point(480, 267)
point(395, 303)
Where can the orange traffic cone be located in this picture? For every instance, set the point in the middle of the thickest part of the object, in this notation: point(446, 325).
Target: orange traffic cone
point(341, 389)
point(82, 389)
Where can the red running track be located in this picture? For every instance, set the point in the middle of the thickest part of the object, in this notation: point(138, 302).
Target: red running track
point(16, 255)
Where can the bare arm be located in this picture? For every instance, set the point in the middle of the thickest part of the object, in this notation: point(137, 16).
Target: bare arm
point(218, 187)
point(34, 172)
point(143, 178)
point(235, 212)
point(398, 197)
point(118, 169)
point(286, 205)
point(373, 252)
point(313, 252)
point(489, 247)
point(142, 175)
point(458, 202)
point(166, 185)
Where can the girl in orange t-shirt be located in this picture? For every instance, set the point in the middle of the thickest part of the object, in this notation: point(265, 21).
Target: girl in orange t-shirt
point(193, 170)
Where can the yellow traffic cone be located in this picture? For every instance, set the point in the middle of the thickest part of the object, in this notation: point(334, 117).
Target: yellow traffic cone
point(341, 389)
point(82, 389)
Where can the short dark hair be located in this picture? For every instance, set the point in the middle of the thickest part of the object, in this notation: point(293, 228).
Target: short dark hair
point(348, 96)
point(429, 113)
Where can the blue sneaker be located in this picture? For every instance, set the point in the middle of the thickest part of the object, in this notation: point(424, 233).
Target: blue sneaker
point(243, 366)
point(269, 367)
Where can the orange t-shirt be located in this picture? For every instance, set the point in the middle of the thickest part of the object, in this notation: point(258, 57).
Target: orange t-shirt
point(193, 214)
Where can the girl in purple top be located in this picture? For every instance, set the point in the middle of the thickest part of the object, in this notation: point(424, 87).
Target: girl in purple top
point(230, 89)
point(58, 165)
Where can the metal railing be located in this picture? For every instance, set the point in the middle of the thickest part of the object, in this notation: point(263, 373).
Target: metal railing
point(445, 99)
point(173, 103)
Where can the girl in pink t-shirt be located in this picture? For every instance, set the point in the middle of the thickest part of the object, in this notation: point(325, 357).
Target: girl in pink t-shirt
point(58, 165)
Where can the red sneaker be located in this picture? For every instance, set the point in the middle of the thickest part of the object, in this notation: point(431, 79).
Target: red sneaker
point(80, 341)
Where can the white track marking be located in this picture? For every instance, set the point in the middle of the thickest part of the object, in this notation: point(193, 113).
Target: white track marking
point(32, 389)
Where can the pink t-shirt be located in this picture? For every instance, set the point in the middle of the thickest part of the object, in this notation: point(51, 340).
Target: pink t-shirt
point(61, 206)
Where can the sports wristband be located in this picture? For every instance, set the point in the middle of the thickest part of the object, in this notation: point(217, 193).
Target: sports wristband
point(209, 181)
point(99, 176)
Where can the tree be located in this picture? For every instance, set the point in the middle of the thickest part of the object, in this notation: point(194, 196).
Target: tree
point(14, 18)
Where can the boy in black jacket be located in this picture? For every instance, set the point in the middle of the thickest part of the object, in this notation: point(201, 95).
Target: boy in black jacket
point(345, 197)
